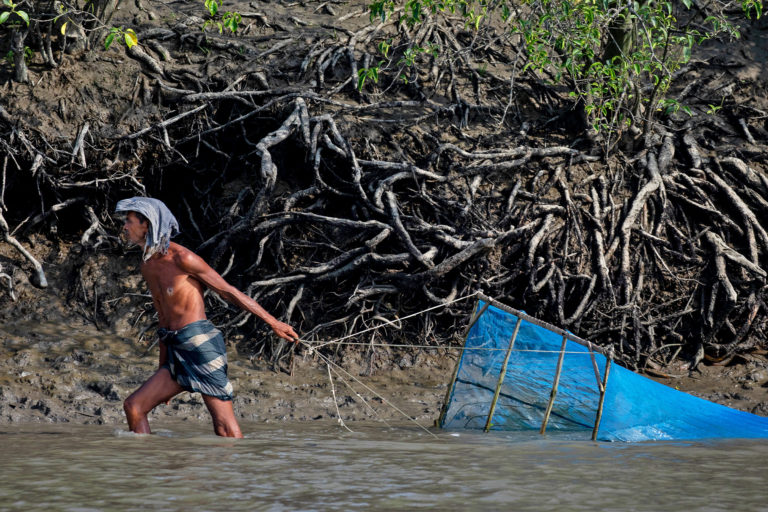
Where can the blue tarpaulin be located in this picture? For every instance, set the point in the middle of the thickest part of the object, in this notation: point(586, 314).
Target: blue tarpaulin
point(635, 408)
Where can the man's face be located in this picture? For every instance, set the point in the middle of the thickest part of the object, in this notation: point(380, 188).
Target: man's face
point(134, 229)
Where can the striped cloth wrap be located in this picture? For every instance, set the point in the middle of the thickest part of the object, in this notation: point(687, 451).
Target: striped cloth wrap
point(197, 359)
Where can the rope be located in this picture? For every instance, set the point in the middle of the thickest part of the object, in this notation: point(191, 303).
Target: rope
point(358, 395)
point(340, 341)
point(335, 401)
point(388, 322)
point(338, 368)
point(396, 345)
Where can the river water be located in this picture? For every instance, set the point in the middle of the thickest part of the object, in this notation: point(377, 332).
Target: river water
point(320, 466)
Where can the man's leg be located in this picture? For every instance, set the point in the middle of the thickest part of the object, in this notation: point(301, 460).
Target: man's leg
point(158, 389)
point(224, 422)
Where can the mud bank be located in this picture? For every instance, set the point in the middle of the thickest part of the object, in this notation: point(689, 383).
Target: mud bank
point(55, 372)
point(74, 352)
point(72, 373)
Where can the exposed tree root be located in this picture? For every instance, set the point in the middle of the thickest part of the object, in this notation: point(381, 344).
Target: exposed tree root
point(339, 208)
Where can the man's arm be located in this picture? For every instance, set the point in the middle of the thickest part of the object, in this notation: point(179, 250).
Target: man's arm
point(196, 267)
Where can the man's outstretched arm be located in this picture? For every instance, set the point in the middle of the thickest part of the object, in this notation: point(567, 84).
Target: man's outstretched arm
point(196, 267)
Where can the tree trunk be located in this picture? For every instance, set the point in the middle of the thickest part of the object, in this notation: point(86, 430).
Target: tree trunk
point(620, 34)
point(19, 63)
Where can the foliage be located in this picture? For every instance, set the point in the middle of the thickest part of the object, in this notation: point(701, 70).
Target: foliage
point(49, 21)
point(28, 53)
point(229, 20)
point(616, 58)
point(127, 35)
point(5, 15)
point(365, 73)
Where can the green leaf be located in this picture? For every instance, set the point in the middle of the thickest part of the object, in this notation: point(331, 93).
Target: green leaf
point(686, 53)
point(108, 40)
point(212, 6)
point(361, 76)
point(23, 15)
point(131, 39)
point(8, 3)
point(4, 16)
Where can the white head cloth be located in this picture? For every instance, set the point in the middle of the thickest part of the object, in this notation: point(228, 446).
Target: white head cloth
point(162, 224)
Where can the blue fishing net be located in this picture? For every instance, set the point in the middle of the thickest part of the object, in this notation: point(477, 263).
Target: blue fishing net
point(635, 408)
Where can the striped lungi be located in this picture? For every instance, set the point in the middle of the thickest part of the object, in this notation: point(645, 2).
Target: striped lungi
point(197, 359)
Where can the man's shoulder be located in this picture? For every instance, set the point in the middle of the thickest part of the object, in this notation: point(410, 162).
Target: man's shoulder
point(183, 257)
point(175, 249)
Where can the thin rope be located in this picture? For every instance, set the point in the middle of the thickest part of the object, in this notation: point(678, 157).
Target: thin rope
point(313, 348)
point(340, 341)
point(358, 395)
point(396, 345)
point(339, 368)
point(335, 402)
point(389, 322)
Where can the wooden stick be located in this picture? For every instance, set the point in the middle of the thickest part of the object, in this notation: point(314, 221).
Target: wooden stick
point(553, 393)
point(541, 323)
point(449, 391)
point(602, 396)
point(594, 365)
point(502, 374)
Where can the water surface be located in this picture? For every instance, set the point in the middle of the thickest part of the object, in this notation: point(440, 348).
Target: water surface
point(313, 466)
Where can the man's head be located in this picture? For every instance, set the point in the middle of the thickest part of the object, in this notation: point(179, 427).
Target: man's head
point(148, 223)
point(135, 228)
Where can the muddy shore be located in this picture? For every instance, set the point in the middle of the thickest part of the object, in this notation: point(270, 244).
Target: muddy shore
point(61, 363)
point(67, 371)
point(74, 351)
point(56, 372)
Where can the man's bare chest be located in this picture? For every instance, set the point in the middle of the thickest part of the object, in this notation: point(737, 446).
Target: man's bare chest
point(165, 280)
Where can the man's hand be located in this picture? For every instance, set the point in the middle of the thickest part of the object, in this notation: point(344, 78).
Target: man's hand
point(285, 331)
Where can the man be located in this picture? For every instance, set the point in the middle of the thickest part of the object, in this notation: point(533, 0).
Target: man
point(192, 351)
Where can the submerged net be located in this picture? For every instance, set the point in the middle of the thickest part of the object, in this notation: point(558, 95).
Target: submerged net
point(635, 408)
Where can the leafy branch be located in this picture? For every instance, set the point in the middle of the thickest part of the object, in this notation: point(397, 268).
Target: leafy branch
point(13, 10)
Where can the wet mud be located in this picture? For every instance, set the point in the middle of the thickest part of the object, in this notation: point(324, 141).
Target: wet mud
point(72, 373)
point(69, 372)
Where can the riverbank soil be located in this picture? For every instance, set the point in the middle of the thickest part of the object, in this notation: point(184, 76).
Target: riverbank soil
point(339, 208)
point(59, 372)
point(63, 367)
point(67, 371)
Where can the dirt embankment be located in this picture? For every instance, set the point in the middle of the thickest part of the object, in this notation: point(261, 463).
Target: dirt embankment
point(60, 362)
point(75, 350)
point(56, 365)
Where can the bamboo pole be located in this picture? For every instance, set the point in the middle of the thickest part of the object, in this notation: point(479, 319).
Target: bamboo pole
point(602, 396)
point(502, 373)
point(594, 365)
point(540, 323)
point(452, 385)
point(553, 393)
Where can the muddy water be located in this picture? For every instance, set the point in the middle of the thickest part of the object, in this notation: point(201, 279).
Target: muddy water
point(311, 466)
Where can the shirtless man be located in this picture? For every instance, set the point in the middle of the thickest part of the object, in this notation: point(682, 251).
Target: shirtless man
point(192, 350)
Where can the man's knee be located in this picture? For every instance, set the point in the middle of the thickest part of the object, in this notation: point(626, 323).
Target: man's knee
point(132, 406)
